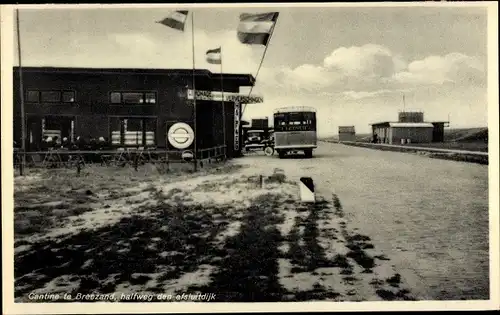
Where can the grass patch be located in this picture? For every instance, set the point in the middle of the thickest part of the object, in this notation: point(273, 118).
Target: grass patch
point(93, 261)
point(249, 268)
point(460, 158)
point(387, 295)
point(308, 255)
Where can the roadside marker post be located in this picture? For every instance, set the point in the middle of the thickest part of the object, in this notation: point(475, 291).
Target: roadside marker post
point(306, 186)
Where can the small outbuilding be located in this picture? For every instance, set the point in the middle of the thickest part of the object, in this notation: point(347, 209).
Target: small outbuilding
point(347, 133)
point(397, 132)
point(410, 128)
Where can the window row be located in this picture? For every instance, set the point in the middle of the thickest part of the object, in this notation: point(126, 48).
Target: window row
point(296, 122)
point(69, 97)
point(51, 96)
point(132, 98)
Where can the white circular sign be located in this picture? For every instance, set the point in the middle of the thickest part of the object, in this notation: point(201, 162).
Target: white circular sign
point(180, 135)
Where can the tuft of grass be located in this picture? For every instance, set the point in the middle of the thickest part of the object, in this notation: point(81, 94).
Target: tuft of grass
point(391, 296)
point(394, 280)
point(381, 257)
point(276, 178)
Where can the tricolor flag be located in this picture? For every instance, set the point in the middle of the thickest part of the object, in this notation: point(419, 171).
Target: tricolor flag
point(255, 29)
point(214, 56)
point(175, 20)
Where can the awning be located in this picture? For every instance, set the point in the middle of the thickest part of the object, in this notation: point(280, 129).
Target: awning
point(228, 97)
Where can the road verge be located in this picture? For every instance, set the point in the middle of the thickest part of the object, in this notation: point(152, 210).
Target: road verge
point(454, 155)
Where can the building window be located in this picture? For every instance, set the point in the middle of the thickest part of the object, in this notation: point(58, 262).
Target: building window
point(51, 96)
point(116, 98)
point(150, 98)
point(133, 131)
point(68, 97)
point(33, 96)
point(133, 98)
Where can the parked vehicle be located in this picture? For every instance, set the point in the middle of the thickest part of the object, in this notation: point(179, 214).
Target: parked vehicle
point(295, 131)
point(254, 138)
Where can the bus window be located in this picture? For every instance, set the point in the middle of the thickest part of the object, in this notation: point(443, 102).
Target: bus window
point(295, 121)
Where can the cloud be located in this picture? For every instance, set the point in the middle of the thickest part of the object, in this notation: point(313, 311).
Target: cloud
point(367, 67)
point(305, 77)
point(453, 68)
point(358, 95)
point(371, 70)
point(369, 60)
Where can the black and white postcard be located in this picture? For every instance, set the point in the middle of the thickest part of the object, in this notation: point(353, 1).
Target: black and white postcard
point(271, 157)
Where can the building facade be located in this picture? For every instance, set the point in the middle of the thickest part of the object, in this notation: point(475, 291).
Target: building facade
point(410, 128)
point(347, 133)
point(394, 132)
point(131, 107)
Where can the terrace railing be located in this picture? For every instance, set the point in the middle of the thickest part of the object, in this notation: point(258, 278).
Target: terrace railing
point(121, 157)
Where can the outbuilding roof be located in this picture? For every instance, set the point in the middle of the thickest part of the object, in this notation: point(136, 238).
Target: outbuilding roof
point(295, 109)
point(346, 129)
point(411, 125)
point(403, 124)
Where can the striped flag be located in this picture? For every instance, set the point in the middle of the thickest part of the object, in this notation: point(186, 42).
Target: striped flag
point(175, 20)
point(255, 29)
point(214, 56)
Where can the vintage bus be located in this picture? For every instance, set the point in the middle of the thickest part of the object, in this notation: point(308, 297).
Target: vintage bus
point(295, 130)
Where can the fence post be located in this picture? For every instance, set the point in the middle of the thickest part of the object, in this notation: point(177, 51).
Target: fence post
point(168, 162)
point(21, 165)
point(78, 166)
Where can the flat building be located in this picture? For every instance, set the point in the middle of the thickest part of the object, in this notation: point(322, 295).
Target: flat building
point(130, 107)
point(410, 128)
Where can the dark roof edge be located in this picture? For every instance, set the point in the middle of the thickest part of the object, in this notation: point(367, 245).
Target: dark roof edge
point(381, 123)
point(153, 71)
point(425, 122)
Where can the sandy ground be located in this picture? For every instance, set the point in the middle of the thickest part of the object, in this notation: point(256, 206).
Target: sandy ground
point(142, 236)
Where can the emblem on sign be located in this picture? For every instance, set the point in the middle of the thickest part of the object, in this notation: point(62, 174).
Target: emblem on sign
point(187, 155)
point(180, 135)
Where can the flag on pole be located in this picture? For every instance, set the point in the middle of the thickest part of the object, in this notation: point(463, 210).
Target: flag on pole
point(175, 20)
point(255, 29)
point(214, 56)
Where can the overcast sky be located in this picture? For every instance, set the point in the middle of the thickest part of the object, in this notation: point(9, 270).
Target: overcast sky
point(352, 64)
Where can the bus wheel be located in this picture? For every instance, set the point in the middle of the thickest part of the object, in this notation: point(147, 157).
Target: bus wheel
point(281, 154)
point(309, 153)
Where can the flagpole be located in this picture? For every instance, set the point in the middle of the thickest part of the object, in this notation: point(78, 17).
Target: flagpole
point(194, 98)
point(261, 61)
point(21, 94)
point(223, 106)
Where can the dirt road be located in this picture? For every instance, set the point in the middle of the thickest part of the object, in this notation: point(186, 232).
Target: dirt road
point(429, 216)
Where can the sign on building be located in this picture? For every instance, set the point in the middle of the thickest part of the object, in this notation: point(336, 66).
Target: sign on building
point(236, 126)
